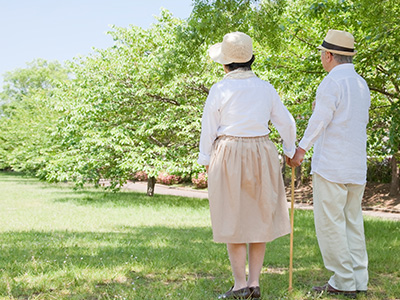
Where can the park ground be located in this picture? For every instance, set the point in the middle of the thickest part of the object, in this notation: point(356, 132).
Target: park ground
point(61, 243)
point(376, 200)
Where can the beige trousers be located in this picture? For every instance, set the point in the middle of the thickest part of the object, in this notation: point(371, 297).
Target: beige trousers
point(340, 232)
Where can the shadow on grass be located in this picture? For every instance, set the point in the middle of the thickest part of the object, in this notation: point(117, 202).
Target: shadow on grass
point(167, 262)
point(17, 177)
point(140, 263)
point(42, 262)
point(100, 198)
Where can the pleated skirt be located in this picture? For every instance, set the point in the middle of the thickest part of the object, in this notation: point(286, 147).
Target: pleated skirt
point(246, 191)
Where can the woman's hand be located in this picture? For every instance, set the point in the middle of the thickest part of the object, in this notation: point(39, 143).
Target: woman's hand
point(297, 158)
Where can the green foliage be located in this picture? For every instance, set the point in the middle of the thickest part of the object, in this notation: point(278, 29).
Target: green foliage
point(379, 170)
point(133, 107)
point(39, 75)
point(137, 105)
point(28, 116)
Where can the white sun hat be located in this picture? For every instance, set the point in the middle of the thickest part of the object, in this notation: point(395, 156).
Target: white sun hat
point(236, 47)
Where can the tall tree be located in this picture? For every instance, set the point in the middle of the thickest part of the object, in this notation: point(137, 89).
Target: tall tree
point(137, 105)
point(133, 107)
point(29, 115)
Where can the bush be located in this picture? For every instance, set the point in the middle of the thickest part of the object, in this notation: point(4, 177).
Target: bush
point(379, 170)
point(168, 179)
point(200, 181)
point(140, 176)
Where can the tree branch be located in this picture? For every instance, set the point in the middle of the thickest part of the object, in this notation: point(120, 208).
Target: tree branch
point(200, 88)
point(162, 99)
point(380, 106)
point(304, 41)
point(297, 70)
point(157, 142)
point(383, 92)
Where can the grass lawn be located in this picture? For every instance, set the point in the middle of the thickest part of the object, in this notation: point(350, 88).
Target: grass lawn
point(59, 243)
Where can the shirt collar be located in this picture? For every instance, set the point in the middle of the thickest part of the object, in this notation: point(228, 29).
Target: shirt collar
point(346, 66)
point(239, 74)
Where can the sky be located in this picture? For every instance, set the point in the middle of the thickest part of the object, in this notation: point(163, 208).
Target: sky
point(63, 29)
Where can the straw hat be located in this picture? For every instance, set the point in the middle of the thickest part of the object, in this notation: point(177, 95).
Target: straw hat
point(339, 42)
point(236, 47)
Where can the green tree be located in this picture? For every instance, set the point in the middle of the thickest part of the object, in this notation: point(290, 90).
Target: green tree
point(133, 107)
point(286, 33)
point(29, 115)
point(137, 105)
point(39, 75)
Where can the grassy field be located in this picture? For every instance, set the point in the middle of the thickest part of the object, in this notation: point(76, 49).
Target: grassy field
point(59, 243)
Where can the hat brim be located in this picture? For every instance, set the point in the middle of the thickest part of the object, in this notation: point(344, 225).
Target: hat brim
point(346, 53)
point(216, 54)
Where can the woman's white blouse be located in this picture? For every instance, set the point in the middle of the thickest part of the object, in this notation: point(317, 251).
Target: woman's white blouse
point(243, 108)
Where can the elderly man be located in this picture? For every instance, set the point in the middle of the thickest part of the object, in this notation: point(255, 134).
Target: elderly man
point(337, 127)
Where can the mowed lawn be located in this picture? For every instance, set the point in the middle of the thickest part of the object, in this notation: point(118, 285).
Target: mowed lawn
point(61, 243)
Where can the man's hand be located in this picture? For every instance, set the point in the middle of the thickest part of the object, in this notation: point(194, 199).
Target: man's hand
point(297, 158)
point(207, 168)
point(288, 161)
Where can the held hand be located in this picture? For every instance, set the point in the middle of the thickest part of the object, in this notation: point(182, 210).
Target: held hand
point(207, 168)
point(297, 158)
point(288, 162)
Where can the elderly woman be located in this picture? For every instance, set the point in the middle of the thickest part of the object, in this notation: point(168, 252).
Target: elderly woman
point(246, 191)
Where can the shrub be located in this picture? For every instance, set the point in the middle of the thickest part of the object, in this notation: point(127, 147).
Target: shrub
point(168, 179)
point(200, 181)
point(140, 176)
point(379, 170)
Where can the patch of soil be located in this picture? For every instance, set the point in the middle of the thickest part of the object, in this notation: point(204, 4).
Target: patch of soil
point(376, 196)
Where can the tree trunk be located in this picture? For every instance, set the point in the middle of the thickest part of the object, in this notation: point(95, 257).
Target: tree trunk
point(394, 185)
point(283, 169)
point(151, 183)
point(298, 176)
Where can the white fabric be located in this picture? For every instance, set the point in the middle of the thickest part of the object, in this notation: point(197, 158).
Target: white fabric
point(243, 108)
point(340, 233)
point(338, 127)
point(239, 74)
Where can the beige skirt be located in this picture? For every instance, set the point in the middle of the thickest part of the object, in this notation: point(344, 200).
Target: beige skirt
point(246, 191)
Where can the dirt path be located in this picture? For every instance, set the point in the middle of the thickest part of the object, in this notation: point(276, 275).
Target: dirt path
point(372, 206)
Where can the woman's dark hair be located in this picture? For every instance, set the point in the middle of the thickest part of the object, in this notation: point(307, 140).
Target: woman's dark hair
point(245, 66)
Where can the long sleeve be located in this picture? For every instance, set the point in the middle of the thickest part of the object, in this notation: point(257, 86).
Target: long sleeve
point(285, 124)
point(325, 106)
point(209, 124)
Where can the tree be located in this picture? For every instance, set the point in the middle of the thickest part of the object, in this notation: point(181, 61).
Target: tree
point(39, 75)
point(133, 107)
point(137, 105)
point(286, 33)
point(28, 116)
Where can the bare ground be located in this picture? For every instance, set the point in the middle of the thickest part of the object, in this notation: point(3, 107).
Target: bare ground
point(376, 197)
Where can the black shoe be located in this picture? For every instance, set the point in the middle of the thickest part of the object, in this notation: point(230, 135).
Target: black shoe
point(327, 288)
point(243, 293)
point(255, 292)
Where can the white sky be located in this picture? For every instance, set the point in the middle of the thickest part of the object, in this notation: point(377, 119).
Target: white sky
point(63, 29)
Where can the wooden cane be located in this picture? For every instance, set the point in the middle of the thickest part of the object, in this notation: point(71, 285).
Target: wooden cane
point(291, 232)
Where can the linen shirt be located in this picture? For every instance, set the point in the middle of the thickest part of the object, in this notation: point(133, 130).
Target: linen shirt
point(338, 127)
point(243, 108)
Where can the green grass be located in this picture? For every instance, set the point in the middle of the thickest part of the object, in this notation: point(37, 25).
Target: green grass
point(59, 243)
